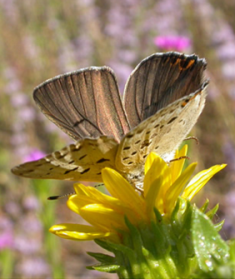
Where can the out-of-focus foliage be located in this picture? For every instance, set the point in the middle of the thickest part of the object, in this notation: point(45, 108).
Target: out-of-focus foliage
point(41, 39)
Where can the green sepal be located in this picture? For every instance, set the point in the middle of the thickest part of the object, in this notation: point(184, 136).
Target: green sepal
point(105, 268)
point(102, 258)
point(219, 226)
point(211, 213)
point(205, 206)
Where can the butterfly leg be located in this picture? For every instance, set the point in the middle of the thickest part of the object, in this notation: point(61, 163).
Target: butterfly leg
point(179, 158)
point(192, 138)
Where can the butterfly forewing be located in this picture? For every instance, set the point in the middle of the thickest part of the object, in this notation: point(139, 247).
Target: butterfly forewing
point(159, 80)
point(84, 104)
point(81, 161)
point(161, 133)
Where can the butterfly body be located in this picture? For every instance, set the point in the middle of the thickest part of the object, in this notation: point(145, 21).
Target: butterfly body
point(163, 99)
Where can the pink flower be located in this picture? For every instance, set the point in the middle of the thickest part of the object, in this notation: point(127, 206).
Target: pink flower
point(6, 240)
point(35, 154)
point(176, 43)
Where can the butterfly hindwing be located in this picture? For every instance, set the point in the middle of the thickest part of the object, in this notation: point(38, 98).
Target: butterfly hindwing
point(81, 161)
point(84, 104)
point(161, 133)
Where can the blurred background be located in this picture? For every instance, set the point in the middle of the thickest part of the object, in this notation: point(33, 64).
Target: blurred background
point(41, 39)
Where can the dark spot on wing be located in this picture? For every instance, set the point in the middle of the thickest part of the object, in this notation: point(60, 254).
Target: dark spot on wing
point(78, 123)
point(102, 160)
point(86, 170)
point(68, 171)
point(184, 103)
point(82, 157)
point(172, 119)
point(126, 148)
point(139, 131)
point(145, 144)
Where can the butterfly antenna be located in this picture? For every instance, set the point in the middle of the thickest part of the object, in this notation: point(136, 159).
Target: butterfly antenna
point(192, 138)
point(179, 158)
point(99, 185)
point(60, 197)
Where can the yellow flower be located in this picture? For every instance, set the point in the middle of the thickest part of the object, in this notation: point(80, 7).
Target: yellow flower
point(162, 186)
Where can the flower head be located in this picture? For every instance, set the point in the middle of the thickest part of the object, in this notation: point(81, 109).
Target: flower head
point(163, 184)
point(177, 43)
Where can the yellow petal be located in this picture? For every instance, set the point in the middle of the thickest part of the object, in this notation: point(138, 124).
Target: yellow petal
point(155, 167)
point(199, 180)
point(119, 188)
point(103, 218)
point(95, 196)
point(76, 202)
point(152, 196)
point(79, 232)
point(176, 188)
point(152, 157)
point(88, 191)
point(78, 188)
point(177, 166)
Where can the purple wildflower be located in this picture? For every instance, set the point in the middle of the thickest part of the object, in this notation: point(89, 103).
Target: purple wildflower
point(177, 43)
point(34, 155)
point(6, 240)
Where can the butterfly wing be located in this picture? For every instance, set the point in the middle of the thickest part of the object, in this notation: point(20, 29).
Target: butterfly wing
point(84, 104)
point(161, 133)
point(81, 161)
point(158, 81)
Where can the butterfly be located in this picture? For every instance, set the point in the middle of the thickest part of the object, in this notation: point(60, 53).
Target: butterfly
point(162, 100)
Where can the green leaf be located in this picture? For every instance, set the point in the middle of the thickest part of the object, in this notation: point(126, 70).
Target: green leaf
point(208, 244)
point(102, 258)
point(231, 244)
